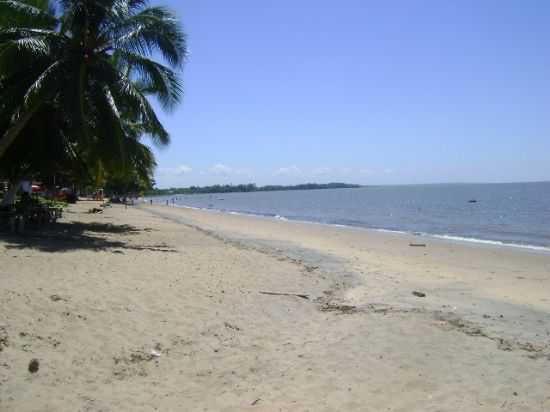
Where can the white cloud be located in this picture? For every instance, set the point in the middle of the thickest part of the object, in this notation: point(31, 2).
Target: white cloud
point(288, 171)
point(184, 169)
point(174, 171)
point(367, 172)
point(220, 170)
point(173, 176)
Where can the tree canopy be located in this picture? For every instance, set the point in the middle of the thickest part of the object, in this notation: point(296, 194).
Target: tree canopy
point(76, 79)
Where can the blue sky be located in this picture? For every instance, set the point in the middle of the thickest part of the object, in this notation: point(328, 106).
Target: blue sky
point(371, 92)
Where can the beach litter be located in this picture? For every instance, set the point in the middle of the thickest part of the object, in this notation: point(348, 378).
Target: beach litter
point(417, 244)
point(3, 338)
point(340, 308)
point(57, 298)
point(419, 294)
point(34, 365)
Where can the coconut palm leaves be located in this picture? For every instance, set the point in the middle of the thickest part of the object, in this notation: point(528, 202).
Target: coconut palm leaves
point(94, 61)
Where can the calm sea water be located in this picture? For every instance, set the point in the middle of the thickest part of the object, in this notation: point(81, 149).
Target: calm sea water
point(515, 213)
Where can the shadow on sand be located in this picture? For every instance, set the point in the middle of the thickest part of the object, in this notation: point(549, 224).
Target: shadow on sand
point(64, 237)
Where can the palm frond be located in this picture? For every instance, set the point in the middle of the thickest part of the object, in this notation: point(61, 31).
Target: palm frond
point(151, 30)
point(17, 33)
point(45, 86)
point(139, 108)
point(153, 78)
point(40, 91)
point(108, 131)
point(33, 45)
point(15, 13)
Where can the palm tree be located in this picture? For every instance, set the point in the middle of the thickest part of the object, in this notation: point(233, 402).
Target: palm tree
point(94, 62)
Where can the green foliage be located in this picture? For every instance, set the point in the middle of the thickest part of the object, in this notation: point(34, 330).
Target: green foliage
point(248, 188)
point(78, 74)
point(126, 184)
point(49, 202)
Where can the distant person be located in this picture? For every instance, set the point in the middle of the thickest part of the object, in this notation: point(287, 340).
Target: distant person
point(26, 187)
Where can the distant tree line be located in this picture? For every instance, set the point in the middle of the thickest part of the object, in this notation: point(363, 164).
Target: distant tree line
point(251, 187)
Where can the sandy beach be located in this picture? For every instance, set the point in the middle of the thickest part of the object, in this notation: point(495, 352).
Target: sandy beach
point(156, 308)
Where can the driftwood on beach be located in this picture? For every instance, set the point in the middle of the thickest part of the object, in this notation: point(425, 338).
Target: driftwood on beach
point(300, 295)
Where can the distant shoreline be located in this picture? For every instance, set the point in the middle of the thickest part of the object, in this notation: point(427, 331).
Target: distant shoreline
point(251, 187)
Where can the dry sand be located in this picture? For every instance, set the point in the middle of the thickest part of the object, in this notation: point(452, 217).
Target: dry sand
point(157, 308)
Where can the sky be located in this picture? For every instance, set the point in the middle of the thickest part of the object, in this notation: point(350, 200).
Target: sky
point(360, 91)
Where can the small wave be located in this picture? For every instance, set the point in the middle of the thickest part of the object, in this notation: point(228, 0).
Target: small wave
point(491, 242)
point(401, 232)
point(278, 217)
point(188, 207)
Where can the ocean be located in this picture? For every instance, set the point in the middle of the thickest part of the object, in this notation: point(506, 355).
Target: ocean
point(515, 214)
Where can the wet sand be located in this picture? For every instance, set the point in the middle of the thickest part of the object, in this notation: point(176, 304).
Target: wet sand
point(158, 308)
